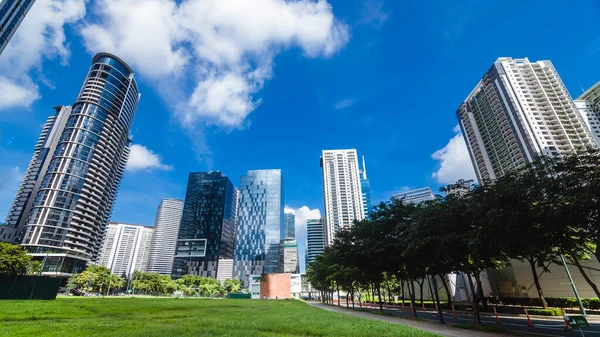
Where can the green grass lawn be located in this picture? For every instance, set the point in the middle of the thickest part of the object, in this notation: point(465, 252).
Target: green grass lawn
point(183, 317)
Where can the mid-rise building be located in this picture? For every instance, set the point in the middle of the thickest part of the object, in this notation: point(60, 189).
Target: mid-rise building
point(12, 13)
point(316, 239)
point(415, 196)
point(290, 225)
point(18, 214)
point(68, 221)
point(260, 226)
point(164, 241)
point(341, 189)
point(289, 256)
point(126, 248)
point(207, 229)
point(588, 105)
point(518, 111)
point(365, 188)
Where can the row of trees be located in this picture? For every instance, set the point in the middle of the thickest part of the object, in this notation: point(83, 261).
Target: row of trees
point(534, 214)
point(98, 279)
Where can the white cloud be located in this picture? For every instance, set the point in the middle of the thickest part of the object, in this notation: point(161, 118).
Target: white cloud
point(343, 104)
point(41, 35)
point(141, 158)
point(301, 214)
point(216, 54)
point(373, 14)
point(455, 162)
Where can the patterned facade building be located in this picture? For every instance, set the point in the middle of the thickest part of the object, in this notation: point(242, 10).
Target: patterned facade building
point(126, 248)
point(164, 241)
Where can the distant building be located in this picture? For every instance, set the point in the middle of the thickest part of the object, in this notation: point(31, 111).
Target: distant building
point(207, 229)
point(260, 226)
point(289, 256)
point(126, 248)
point(290, 225)
point(12, 13)
point(518, 111)
point(316, 239)
point(341, 189)
point(166, 229)
point(415, 196)
point(588, 105)
point(365, 187)
point(18, 214)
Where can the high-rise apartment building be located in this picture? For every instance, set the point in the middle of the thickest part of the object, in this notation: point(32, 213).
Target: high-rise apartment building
point(207, 229)
point(260, 226)
point(365, 188)
point(588, 105)
point(164, 241)
point(415, 196)
point(12, 13)
point(341, 189)
point(518, 111)
point(70, 213)
point(126, 248)
point(288, 250)
point(316, 239)
point(290, 225)
point(18, 214)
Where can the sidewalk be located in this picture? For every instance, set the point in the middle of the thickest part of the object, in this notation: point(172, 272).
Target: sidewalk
point(444, 330)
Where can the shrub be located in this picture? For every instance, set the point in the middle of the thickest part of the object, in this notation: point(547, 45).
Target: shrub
point(545, 312)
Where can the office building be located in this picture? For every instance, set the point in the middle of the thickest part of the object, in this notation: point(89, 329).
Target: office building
point(288, 261)
point(290, 225)
point(365, 188)
point(518, 111)
point(588, 105)
point(71, 211)
point(207, 229)
point(12, 13)
point(316, 239)
point(166, 230)
point(126, 248)
point(260, 226)
point(18, 214)
point(415, 196)
point(341, 189)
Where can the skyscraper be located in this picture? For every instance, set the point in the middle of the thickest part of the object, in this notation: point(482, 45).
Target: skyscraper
point(415, 196)
point(18, 214)
point(289, 263)
point(126, 248)
point(316, 239)
point(341, 189)
point(518, 111)
point(166, 230)
point(68, 220)
point(588, 105)
point(207, 229)
point(365, 187)
point(12, 13)
point(260, 225)
point(290, 225)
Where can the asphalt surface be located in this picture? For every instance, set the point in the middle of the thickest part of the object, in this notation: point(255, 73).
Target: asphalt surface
point(544, 326)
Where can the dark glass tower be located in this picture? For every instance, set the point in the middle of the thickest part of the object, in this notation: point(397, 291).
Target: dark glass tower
point(207, 229)
point(67, 224)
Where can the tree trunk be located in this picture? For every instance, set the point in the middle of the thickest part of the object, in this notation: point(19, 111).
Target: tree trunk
point(389, 292)
point(585, 276)
point(421, 290)
point(536, 280)
point(480, 294)
point(352, 294)
point(338, 293)
point(402, 285)
point(379, 295)
point(443, 278)
point(436, 297)
point(347, 302)
point(475, 301)
point(411, 293)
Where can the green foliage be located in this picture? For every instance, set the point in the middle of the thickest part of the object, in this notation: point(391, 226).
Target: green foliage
point(97, 279)
point(13, 259)
point(232, 286)
point(545, 312)
point(34, 267)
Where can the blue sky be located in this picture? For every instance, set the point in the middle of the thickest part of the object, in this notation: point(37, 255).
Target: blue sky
point(269, 85)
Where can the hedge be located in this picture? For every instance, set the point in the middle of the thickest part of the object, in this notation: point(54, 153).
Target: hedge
point(560, 302)
point(545, 312)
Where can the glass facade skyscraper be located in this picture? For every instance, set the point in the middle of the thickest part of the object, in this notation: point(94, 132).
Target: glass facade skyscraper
point(415, 196)
point(207, 229)
point(70, 213)
point(290, 225)
point(260, 226)
point(166, 229)
point(12, 13)
point(316, 239)
point(365, 188)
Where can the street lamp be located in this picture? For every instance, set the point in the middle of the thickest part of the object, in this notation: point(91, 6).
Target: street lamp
point(573, 285)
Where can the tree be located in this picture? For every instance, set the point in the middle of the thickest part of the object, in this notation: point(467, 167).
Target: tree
point(232, 286)
point(13, 259)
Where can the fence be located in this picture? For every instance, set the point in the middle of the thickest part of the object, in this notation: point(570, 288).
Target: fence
point(22, 287)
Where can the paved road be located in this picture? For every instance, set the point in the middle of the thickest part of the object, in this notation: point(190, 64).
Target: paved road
point(551, 326)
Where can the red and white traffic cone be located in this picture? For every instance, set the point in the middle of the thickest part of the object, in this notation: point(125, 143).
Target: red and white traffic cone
point(497, 318)
point(395, 306)
point(453, 311)
point(423, 305)
point(529, 324)
point(403, 308)
point(567, 327)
